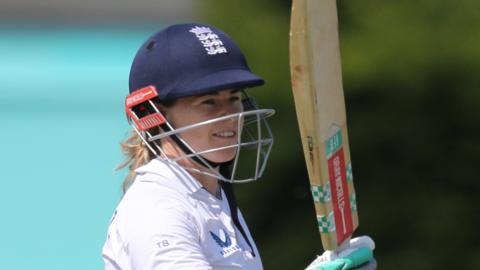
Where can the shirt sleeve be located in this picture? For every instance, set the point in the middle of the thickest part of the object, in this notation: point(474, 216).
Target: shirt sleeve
point(167, 238)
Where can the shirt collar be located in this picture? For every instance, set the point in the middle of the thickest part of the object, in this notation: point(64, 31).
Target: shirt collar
point(173, 175)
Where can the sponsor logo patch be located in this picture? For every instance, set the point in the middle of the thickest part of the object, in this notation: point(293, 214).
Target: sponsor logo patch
point(225, 242)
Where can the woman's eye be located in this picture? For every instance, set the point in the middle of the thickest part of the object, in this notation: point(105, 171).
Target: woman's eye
point(234, 99)
point(208, 102)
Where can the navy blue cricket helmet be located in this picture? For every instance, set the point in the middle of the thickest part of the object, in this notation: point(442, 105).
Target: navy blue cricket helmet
point(190, 59)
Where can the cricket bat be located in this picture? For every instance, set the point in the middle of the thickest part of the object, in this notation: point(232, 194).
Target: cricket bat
point(316, 76)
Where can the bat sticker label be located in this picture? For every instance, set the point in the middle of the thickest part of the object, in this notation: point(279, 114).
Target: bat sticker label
point(338, 183)
point(334, 143)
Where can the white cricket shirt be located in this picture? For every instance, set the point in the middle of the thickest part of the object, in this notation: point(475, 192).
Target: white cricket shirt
point(167, 220)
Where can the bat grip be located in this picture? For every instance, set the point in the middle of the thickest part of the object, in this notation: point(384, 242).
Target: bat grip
point(358, 257)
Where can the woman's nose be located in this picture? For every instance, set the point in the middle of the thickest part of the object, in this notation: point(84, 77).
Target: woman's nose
point(230, 108)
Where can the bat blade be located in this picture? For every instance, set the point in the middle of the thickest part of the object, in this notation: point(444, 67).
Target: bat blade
point(320, 105)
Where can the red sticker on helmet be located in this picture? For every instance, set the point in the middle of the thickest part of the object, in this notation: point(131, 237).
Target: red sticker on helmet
point(148, 121)
point(140, 95)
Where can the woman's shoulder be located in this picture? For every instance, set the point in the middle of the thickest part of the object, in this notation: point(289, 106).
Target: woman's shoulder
point(147, 210)
point(149, 205)
point(153, 195)
point(158, 190)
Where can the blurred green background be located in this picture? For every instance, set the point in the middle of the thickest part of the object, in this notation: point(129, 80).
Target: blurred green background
point(410, 71)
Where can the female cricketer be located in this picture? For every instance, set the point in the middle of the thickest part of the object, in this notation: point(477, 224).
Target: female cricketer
point(193, 122)
point(195, 131)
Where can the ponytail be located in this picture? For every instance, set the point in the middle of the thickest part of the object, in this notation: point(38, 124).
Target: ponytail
point(137, 154)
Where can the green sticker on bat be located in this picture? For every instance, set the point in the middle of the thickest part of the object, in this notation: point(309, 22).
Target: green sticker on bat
point(334, 143)
point(321, 194)
point(349, 172)
point(353, 202)
point(326, 224)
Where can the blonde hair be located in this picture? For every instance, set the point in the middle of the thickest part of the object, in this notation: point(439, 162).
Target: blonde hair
point(137, 154)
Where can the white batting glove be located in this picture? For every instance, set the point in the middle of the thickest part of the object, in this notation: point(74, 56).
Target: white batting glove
point(358, 251)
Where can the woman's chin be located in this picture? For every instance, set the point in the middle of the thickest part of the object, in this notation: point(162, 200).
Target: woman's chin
point(221, 156)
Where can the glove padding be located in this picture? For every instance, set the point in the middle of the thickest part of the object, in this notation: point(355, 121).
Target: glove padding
point(358, 251)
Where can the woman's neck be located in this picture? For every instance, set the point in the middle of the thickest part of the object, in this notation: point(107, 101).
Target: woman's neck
point(208, 182)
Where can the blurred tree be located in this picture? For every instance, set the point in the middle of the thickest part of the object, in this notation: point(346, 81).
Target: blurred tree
point(411, 91)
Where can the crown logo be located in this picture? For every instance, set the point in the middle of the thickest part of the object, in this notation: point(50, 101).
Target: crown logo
point(210, 41)
point(199, 30)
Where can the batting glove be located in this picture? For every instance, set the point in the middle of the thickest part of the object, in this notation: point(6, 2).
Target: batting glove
point(358, 252)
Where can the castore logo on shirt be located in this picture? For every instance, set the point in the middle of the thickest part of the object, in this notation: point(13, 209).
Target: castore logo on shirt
point(225, 242)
